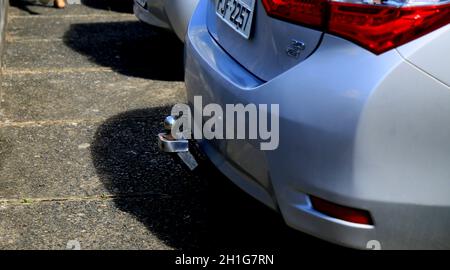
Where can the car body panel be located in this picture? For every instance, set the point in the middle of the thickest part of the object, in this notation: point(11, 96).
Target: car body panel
point(422, 53)
point(168, 14)
point(146, 16)
point(264, 54)
point(179, 13)
point(364, 131)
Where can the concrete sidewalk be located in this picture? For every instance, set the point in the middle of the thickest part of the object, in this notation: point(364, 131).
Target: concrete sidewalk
point(83, 93)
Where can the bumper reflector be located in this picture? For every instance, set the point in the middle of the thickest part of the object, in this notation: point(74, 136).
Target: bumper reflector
point(341, 212)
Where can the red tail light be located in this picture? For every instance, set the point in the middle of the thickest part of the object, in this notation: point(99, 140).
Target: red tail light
point(341, 212)
point(306, 12)
point(377, 27)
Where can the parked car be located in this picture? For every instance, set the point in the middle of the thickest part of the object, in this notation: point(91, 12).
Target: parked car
point(168, 14)
point(364, 110)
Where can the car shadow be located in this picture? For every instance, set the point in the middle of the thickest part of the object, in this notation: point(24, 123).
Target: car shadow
point(25, 5)
point(122, 6)
point(185, 210)
point(125, 6)
point(131, 48)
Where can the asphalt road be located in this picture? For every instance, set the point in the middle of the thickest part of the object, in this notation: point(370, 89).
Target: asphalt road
point(83, 93)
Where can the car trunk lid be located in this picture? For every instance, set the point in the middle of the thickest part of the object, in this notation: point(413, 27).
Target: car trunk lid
point(273, 46)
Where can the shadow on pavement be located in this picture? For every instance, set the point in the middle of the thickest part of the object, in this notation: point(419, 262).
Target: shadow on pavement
point(25, 5)
point(125, 6)
point(130, 48)
point(186, 210)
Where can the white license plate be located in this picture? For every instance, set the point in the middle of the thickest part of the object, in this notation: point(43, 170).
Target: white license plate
point(238, 14)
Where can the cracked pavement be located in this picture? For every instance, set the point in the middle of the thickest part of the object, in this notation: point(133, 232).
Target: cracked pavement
point(83, 93)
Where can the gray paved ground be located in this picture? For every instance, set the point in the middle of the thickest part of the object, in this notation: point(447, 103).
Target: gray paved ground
point(83, 93)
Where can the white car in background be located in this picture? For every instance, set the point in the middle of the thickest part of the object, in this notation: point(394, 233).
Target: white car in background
point(168, 14)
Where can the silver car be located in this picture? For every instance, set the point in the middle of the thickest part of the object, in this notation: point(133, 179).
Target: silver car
point(168, 14)
point(364, 112)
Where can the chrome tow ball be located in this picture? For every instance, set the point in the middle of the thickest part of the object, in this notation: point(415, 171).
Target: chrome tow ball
point(178, 145)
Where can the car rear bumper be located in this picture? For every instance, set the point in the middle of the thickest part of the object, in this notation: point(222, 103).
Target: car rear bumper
point(364, 131)
point(146, 17)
